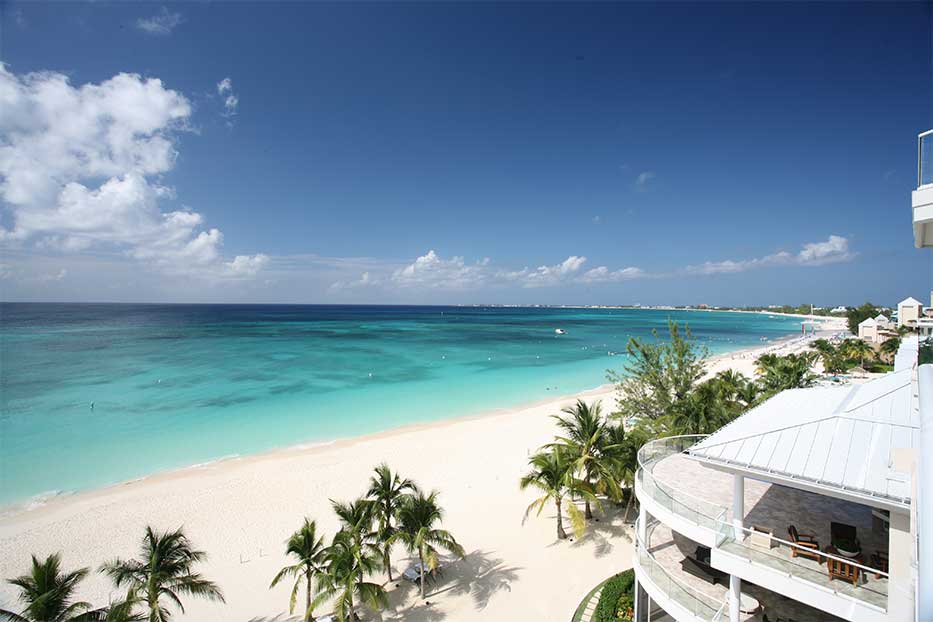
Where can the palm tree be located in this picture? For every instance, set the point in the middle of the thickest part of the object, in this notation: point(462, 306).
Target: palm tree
point(164, 571)
point(857, 349)
point(418, 517)
point(348, 563)
point(792, 371)
point(46, 593)
point(705, 411)
point(309, 550)
point(552, 473)
point(890, 347)
point(823, 346)
point(586, 439)
point(387, 490)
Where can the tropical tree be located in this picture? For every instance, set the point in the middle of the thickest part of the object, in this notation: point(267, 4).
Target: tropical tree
point(586, 439)
point(552, 473)
point(793, 371)
point(310, 555)
point(349, 561)
point(705, 411)
point(419, 517)
point(657, 376)
point(890, 347)
point(162, 574)
point(46, 594)
point(823, 346)
point(387, 491)
point(833, 357)
point(857, 349)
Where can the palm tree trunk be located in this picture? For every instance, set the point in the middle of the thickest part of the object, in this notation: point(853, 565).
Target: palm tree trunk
point(387, 562)
point(421, 571)
point(589, 511)
point(561, 534)
point(628, 506)
point(308, 615)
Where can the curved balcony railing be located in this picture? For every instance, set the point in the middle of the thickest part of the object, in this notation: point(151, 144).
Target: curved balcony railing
point(701, 605)
point(696, 510)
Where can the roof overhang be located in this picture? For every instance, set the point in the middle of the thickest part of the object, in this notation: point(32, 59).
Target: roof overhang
point(846, 494)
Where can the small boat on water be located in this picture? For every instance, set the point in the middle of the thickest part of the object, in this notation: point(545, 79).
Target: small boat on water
point(560, 331)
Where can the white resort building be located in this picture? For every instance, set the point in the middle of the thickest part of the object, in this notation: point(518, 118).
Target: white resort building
point(811, 506)
point(801, 509)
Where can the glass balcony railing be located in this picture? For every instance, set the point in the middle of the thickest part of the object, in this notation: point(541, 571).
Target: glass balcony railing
point(698, 511)
point(855, 579)
point(925, 158)
point(701, 605)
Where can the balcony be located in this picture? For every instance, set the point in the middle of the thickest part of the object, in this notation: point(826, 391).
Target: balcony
point(922, 197)
point(666, 560)
point(782, 566)
point(670, 587)
point(689, 514)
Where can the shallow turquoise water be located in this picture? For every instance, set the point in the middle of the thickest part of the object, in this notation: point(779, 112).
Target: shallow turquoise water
point(173, 385)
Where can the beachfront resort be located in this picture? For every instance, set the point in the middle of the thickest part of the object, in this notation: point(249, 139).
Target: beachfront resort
point(465, 312)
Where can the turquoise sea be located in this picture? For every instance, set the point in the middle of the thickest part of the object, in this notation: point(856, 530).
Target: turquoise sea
point(94, 394)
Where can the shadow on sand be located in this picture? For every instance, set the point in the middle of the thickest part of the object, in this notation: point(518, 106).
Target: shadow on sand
point(479, 574)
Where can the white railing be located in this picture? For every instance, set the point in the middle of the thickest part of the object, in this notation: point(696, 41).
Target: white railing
point(696, 510)
point(701, 605)
point(779, 555)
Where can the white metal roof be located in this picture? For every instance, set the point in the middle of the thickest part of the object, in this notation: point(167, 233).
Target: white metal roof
point(832, 437)
point(910, 301)
point(869, 321)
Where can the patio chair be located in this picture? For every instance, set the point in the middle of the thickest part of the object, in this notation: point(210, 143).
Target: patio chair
point(839, 569)
point(880, 561)
point(807, 546)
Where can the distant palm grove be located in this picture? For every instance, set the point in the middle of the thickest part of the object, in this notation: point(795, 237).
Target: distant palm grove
point(338, 572)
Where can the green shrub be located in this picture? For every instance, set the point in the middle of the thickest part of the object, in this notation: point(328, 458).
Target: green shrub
point(616, 599)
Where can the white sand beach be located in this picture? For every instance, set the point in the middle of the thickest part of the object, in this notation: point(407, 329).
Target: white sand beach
point(241, 511)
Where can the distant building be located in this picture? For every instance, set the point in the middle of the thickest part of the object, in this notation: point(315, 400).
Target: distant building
point(909, 311)
point(841, 309)
point(868, 330)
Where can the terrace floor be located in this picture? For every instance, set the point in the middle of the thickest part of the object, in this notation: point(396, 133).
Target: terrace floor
point(777, 507)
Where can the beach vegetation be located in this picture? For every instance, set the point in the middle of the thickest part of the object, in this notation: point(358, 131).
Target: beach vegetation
point(857, 349)
point(792, 371)
point(889, 347)
point(552, 474)
point(419, 530)
point(164, 572)
point(307, 548)
point(349, 562)
point(617, 599)
point(658, 375)
point(586, 439)
point(47, 594)
point(387, 491)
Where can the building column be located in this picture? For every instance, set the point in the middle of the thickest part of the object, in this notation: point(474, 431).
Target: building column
point(738, 516)
point(738, 504)
point(735, 598)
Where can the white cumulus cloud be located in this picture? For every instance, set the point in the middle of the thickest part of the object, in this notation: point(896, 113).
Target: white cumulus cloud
point(82, 167)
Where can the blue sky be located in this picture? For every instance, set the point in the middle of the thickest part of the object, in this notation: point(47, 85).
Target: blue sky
point(448, 153)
